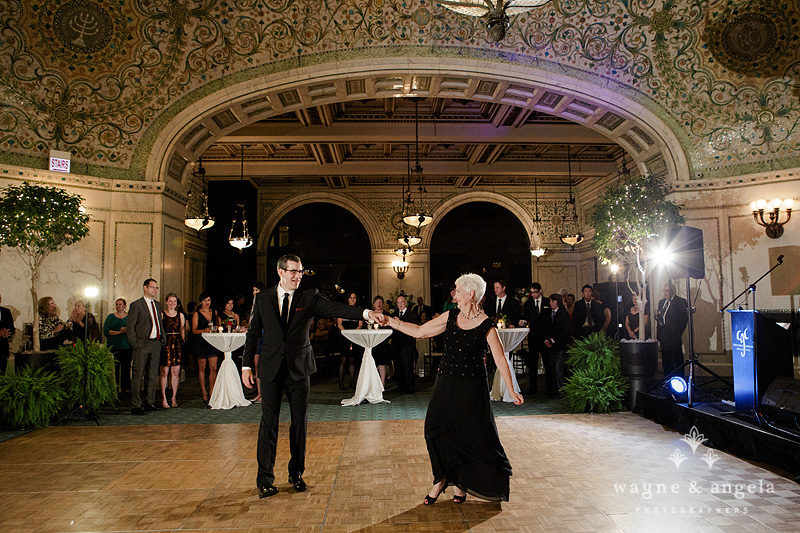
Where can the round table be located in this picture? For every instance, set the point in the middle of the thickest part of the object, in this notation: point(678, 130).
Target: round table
point(227, 392)
point(368, 386)
point(510, 338)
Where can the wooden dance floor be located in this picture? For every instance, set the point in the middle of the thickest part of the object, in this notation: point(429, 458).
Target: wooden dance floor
point(576, 473)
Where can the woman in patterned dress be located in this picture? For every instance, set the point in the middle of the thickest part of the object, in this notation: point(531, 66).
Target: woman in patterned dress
point(460, 431)
point(171, 354)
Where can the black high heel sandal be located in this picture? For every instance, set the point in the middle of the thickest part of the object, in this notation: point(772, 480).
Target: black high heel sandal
point(430, 500)
point(459, 499)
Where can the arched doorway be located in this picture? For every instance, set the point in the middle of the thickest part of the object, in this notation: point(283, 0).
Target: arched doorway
point(331, 242)
point(483, 238)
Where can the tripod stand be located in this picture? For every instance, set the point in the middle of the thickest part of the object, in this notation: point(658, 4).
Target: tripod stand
point(693, 361)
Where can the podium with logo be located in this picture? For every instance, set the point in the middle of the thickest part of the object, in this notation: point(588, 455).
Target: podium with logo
point(761, 352)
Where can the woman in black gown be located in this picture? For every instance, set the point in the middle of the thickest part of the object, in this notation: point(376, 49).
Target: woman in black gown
point(460, 431)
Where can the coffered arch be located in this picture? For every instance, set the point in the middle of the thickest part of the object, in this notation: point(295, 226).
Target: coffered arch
point(229, 115)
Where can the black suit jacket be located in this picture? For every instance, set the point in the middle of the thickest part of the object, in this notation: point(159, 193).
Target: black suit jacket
point(6, 322)
point(559, 328)
point(675, 321)
point(538, 322)
point(401, 340)
point(140, 322)
point(292, 343)
point(579, 313)
point(510, 308)
point(427, 309)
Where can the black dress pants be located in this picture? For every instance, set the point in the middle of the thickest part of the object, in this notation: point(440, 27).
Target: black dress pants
point(672, 355)
point(404, 367)
point(297, 392)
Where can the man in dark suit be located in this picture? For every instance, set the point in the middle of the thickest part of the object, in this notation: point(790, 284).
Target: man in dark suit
point(503, 304)
point(558, 336)
point(671, 317)
point(587, 315)
point(537, 314)
point(6, 332)
point(404, 348)
point(145, 332)
point(422, 309)
point(283, 315)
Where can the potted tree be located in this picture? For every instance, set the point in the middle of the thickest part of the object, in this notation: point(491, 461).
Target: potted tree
point(37, 220)
point(632, 218)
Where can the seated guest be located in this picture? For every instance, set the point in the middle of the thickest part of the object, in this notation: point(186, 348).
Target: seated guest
point(83, 329)
point(117, 341)
point(52, 331)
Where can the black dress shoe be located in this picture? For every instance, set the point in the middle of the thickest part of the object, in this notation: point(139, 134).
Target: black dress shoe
point(137, 411)
point(151, 407)
point(267, 490)
point(298, 483)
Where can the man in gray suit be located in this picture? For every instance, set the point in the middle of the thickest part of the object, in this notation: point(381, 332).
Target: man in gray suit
point(145, 332)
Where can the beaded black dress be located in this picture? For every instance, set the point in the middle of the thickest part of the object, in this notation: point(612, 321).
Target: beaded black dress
point(460, 431)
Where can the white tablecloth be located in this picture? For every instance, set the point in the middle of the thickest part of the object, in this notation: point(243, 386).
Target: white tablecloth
point(368, 386)
point(510, 338)
point(227, 392)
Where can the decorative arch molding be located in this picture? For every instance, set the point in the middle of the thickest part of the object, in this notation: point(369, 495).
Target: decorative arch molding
point(656, 143)
point(367, 219)
point(450, 203)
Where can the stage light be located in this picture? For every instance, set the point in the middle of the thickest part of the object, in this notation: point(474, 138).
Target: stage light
point(677, 385)
point(663, 256)
point(614, 268)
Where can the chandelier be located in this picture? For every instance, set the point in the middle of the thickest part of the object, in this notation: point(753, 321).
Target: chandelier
point(494, 12)
point(197, 207)
point(400, 267)
point(404, 236)
point(537, 242)
point(570, 237)
point(416, 216)
point(240, 236)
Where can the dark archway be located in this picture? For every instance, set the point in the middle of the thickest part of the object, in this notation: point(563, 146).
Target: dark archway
point(483, 238)
point(331, 241)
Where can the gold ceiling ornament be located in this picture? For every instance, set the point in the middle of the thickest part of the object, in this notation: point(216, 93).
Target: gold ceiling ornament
point(494, 12)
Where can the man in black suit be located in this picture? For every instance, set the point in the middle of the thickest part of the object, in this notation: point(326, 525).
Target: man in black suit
point(503, 304)
point(404, 348)
point(145, 332)
point(422, 309)
point(537, 314)
point(671, 317)
point(558, 336)
point(283, 315)
point(587, 315)
point(6, 332)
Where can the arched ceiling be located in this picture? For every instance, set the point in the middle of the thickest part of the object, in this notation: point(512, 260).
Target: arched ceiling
point(107, 82)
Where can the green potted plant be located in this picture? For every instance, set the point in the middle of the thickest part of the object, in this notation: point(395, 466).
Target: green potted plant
point(37, 220)
point(87, 373)
point(632, 218)
point(30, 398)
point(595, 384)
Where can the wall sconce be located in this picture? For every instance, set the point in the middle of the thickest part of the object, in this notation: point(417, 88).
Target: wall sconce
point(400, 267)
point(774, 227)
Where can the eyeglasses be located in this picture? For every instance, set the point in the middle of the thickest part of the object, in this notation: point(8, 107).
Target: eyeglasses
point(293, 271)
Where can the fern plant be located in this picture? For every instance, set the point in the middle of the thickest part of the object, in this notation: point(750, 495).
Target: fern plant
point(30, 398)
point(100, 385)
point(596, 384)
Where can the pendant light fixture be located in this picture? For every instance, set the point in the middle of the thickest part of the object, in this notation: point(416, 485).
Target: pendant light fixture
point(240, 237)
point(537, 241)
point(417, 215)
point(400, 267)
point(571, 237)
point(404, 236)
point(197, 207)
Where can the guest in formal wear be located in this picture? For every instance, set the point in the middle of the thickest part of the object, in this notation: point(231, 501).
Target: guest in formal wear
point(350, 352)
point(7, 330)
point(537, 315)
point(503, 303)
point(671, 317)
point(282, 316)
point(52, 331)
point(228, 315)
point(569, 304)
point(460, 431)
point(421, 309)
point(381, 353)
point(404, 348)
point(145, 332)
point(588, 315)
point(632, 319)
point(450, 303)
point(558, 336)
point(319, 339)
point(115, 330)
point(205, 320)
point(81, 328)
point(172, 354)
point(598, 300)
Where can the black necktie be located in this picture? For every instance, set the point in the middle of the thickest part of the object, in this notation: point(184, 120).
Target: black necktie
point(536, 305)
point(285, 309)
point(553, 315)
point(499, 305)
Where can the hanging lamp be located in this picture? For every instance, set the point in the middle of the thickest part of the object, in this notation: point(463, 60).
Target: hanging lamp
point(404, 236)
point(417, 215)
point(574, 237)
point(197, 207)
point(240, 237)
point(537, 242)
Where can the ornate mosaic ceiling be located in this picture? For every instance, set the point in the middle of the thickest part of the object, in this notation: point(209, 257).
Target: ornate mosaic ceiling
point(101, 79)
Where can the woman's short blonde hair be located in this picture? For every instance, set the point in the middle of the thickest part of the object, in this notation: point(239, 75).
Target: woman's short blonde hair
point(473, 282)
